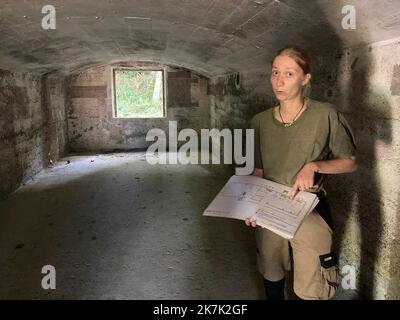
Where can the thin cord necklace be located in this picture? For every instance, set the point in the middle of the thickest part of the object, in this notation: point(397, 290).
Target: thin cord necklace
point(288, 124)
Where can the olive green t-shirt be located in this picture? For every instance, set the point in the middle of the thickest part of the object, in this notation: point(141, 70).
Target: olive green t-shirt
point(320, 133)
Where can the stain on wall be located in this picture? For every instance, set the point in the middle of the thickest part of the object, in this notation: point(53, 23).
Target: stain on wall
point(395, 85)
point(32, 125)
point(179, 85)
point(89, 92)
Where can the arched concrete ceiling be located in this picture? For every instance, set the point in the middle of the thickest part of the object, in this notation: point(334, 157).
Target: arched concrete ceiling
point(210, 36)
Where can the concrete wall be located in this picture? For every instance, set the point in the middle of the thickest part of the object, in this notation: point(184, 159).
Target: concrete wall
point(364, 83)
point(91, 125)
point(32, 125)
point(367, 202)
point(235, 98)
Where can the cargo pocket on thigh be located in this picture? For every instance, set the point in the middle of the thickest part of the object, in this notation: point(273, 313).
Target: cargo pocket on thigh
point(329, 275)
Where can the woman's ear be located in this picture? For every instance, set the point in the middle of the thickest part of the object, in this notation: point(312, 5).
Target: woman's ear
point(307, 85)
point(307, 79)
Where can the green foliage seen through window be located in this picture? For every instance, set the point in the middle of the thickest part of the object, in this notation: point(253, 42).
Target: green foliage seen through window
point(139, 94)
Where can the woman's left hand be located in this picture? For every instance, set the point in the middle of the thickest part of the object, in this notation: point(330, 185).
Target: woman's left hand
point(304, 179)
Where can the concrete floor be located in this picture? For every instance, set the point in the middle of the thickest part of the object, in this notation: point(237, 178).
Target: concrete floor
point(115, 227)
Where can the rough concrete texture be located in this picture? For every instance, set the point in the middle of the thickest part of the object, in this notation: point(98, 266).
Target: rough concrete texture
point(211, 37)
point(106, 223)
point(233, 100)
point(92, 126)
point(368, 202)
point(32, 125)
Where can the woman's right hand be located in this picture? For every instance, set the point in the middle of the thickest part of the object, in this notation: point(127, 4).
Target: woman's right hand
point(250, 222)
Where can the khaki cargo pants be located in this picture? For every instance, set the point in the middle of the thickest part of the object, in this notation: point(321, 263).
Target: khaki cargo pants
point(315, 271)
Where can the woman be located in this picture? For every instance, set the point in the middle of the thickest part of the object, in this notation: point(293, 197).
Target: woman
point(297, 143)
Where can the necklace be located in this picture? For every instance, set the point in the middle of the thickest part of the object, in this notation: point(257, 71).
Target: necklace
point(288, 124)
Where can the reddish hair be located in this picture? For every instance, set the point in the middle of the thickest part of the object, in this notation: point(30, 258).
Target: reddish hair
point(298, 54)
